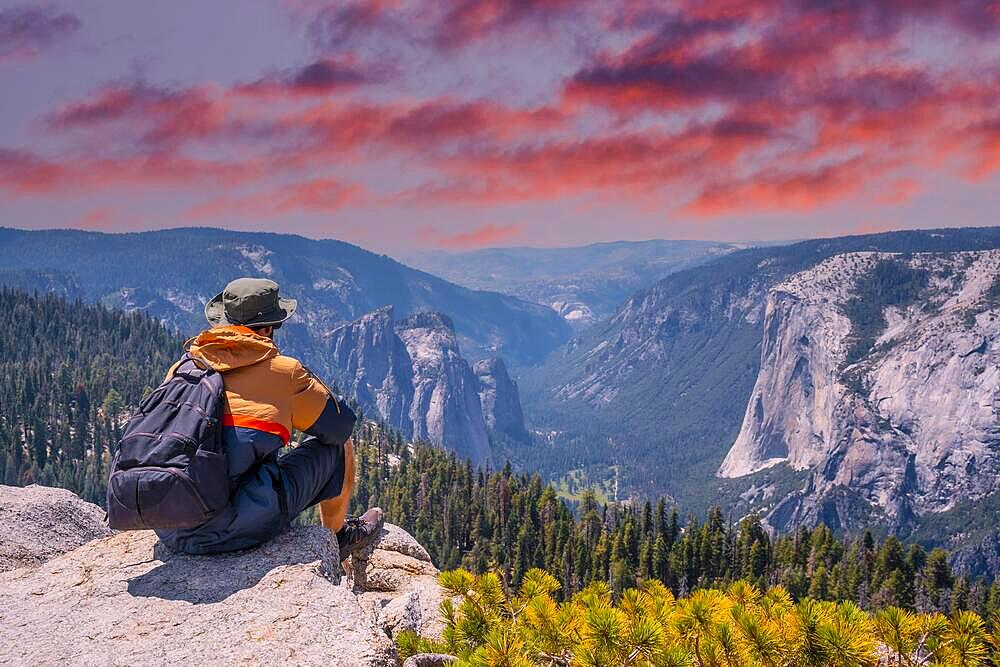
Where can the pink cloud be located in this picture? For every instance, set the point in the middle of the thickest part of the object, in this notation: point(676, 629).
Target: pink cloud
point(486, 235)
point(321, 195)
point(985, 138)
point(899, 191)
point(464, 21)
point(767, 105)
point(24, 173)
point(106, 219)
point(782, 191)
point(151, 115)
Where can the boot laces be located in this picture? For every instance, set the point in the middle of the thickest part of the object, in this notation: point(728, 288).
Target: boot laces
point(354, 529)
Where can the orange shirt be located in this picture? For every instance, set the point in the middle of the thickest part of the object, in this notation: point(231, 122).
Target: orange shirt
point(265, 390)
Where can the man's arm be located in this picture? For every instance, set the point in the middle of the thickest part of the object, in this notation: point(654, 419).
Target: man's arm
point(316, 411)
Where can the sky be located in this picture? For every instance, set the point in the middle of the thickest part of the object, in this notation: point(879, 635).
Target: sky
point(458, 124)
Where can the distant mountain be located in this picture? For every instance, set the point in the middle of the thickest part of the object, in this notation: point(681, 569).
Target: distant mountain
point(170, 274)
point(880, 377)
point(655, 396)
point(584, 284)
point(501, 401)
point(411, 373)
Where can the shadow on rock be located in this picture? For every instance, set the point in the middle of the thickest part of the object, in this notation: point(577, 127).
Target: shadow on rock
point(214, 578)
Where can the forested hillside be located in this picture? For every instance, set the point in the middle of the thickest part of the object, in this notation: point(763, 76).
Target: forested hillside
point(509, 523)
point(68, 372)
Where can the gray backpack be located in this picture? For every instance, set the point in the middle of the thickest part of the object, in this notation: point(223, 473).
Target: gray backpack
point(170, 469)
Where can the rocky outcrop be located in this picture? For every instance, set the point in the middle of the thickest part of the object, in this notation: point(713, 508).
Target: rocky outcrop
point(501, 402)
point(374, 366)
point(39, 522)
point(905, 426)
point(413, 375)
point(401, 589)
point(126, 599)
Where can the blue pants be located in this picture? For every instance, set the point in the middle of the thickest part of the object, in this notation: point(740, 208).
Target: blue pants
point(266, 500)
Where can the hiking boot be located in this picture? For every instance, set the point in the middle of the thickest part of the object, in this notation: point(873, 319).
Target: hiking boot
point(360, 532)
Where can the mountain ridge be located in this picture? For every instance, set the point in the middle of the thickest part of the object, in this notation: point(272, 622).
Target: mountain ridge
point(582, 283)
point(171, 273)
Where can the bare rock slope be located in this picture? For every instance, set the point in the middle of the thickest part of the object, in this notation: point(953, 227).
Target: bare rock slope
point(892, 407)
point(126, 599)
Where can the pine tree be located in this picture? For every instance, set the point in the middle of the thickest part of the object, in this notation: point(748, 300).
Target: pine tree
point(739, 626)
point(938, 580)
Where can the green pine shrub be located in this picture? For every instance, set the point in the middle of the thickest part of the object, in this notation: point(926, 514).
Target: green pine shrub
point(739, 626)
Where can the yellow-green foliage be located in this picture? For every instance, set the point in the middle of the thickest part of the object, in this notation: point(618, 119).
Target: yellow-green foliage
point(740, 626)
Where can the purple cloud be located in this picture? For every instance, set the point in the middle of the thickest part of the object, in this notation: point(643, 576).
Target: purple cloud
point(26, 31)
point(337, 27)
point(317, 78)
point(718, 76)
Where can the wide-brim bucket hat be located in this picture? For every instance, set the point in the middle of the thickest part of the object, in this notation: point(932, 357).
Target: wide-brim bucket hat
point(249, 302)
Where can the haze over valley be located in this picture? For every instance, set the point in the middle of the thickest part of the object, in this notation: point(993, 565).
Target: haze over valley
point(787, 379)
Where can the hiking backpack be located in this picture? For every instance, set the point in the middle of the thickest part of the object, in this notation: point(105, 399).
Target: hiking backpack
point(170, 469)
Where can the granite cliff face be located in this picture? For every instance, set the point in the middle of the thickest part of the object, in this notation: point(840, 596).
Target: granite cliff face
point(412, 373)
point(894, 410)
point(500, 399)
point(445, 407)
point(374, 366)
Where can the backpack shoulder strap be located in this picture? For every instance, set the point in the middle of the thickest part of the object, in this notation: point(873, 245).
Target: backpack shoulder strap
point(201, 364)
point(173, 368)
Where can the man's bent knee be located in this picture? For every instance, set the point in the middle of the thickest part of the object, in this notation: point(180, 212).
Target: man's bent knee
point(313, 473)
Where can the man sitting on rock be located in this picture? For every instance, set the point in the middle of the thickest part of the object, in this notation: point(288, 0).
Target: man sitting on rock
point(268, 394)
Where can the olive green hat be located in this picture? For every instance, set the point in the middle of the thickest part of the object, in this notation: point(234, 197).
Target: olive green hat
point(250, 302)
